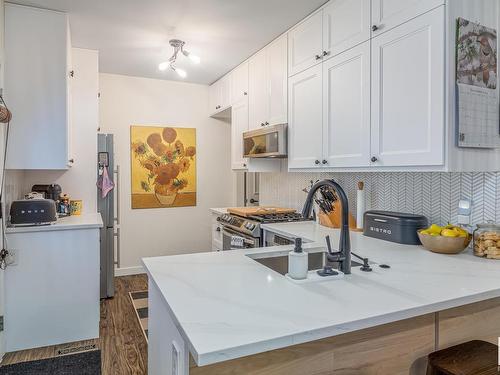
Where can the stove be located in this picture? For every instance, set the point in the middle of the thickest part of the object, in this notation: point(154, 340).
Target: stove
point(240, 232)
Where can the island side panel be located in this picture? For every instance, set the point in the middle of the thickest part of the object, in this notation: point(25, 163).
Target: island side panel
point(398, 348)
point(476, 321)
point(163, 336)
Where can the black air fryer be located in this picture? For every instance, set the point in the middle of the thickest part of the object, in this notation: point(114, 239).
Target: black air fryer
point(394, 226)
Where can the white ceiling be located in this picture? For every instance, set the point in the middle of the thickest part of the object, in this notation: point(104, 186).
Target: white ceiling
point(132, 35)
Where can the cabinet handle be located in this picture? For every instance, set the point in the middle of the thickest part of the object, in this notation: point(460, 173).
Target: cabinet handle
point(244, 165)
point(373, 159)
point(316, 162)
point(245, 93)
point(262, 124)
point(218, 229)
point(319, 57)
point(325, 161)
point(326, 53)
point(71, 161)
point(266, 123)
point(375, 28)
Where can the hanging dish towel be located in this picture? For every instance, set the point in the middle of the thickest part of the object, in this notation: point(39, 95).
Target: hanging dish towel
point(105, 183)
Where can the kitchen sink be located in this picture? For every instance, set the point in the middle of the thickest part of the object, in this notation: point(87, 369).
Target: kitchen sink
point(280, 263)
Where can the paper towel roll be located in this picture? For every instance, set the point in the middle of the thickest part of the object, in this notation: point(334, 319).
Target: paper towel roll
point(360, 204)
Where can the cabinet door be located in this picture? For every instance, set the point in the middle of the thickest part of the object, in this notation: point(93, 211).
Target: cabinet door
point(346, 23)
point(36, 87)
point(387, 14)
point(346, 95)
point(408, 93)
point(239, 78)
point(239, 124)
point(258, 90)
point(305, 123)
point(305, 44)
point(214, 96)
point(276, 54)
point(225, 92)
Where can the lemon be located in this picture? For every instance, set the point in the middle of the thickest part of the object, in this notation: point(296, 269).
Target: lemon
point(434, 228)
point(449, 233)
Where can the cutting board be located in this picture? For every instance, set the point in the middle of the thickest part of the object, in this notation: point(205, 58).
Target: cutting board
point(259, 210)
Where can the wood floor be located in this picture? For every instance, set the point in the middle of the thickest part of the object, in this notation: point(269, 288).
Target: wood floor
point(122, 343)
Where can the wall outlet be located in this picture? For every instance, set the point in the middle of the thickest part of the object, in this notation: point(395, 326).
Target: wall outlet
point(11, 259)
point(176, 359)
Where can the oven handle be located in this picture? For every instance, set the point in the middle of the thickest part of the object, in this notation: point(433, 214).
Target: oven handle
point(231, 233)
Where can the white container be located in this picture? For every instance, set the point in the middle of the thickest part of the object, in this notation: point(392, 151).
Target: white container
point(298, 262)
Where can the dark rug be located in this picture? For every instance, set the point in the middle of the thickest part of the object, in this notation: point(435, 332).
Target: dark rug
point(87, 363)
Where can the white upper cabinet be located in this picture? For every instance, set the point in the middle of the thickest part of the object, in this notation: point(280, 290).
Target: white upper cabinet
point(258, 88)
point(346, 23)
point(305, 44)
point(387, 14)
point(36, 87)
point(239, 82)
point(408, 93)
point(239, 124)
point(276, 55)
point(346, 120)
point(220, 95)
point(268, 85)
point(305, 127)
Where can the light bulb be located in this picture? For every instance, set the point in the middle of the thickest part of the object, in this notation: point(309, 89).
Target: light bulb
point(182, 73)
point(163, 66)
point(195, 59)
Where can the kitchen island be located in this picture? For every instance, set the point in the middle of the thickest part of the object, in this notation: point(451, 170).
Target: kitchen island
point(225, 313)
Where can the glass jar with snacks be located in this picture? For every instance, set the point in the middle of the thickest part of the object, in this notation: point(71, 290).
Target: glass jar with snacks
point(487, 240)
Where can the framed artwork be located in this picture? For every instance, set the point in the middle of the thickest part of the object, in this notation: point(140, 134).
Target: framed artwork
point(163, 166)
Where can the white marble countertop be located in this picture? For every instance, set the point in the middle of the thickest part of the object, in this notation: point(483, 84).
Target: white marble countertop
point(226, 305)
point(219, 210)
point(84, 221)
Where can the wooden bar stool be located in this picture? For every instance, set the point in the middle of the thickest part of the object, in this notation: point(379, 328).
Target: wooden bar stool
point(470, 358)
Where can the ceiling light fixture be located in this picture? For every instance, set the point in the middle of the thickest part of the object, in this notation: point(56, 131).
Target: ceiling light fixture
point(178, 46)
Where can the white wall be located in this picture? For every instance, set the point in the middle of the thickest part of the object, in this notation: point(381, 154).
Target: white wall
point(80, 180)
point(129, 101)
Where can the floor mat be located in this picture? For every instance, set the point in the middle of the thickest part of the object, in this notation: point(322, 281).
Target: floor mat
point(87, 363)
point(140, 302)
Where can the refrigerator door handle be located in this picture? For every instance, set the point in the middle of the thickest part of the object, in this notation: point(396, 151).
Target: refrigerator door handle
point(117, 184)
point(117, 235)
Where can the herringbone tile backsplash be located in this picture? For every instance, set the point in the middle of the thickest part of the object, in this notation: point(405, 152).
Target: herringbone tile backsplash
point(432, 194)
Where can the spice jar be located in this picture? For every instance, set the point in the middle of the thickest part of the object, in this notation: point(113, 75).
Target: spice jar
point(487, 240)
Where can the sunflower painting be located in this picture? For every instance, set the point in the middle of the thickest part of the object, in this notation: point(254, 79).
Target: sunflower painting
point(163, 166)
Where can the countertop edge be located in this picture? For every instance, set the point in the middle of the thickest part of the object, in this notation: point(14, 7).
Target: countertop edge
point(205, 359)
point(86, 221)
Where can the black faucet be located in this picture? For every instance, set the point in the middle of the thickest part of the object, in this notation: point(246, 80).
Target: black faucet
point(344, 252)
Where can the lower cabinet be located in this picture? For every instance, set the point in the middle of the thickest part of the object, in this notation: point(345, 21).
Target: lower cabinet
point(52, 291)
point(216, 233)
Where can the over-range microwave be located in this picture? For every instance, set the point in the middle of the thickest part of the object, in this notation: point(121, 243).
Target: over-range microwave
point(267, 142)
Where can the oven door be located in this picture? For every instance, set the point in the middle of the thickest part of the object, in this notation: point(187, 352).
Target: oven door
point(232, 240)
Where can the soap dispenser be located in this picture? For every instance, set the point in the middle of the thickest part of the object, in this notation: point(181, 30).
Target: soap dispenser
point(298, 262)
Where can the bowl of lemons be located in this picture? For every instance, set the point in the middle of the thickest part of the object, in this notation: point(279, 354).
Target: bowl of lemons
point(449, 239)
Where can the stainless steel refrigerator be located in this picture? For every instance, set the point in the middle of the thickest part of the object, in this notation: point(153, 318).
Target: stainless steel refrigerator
point(110, 232)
